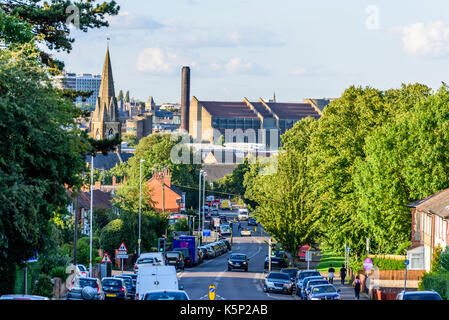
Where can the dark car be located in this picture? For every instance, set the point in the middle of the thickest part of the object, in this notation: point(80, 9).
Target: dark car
point(311, 284)
point(85, 288)
point(129, 285)
point(228, 245)
point(204, 253)
point(134, 277)
point(175, 258)
point(293, 273)
point(418, 295)
point(238, 261)
point(304, 274)
point(278, 261)
point(166, 295)
point(186, 254)
point(301, 290)
point(324, 292)
point(114, 288)
point(252, 222)
point(278, 282)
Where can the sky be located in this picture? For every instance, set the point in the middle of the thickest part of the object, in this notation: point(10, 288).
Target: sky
point(253, 48)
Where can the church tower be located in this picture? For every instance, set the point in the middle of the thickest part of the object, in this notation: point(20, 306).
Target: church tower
point(105, 121)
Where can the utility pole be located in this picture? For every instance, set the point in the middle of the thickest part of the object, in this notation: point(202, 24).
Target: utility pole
point(204, 197)
point(75, 233)
point(163, 189)
point(199, 206)
point(140, 209)
point(269, 255)
point(91, 210)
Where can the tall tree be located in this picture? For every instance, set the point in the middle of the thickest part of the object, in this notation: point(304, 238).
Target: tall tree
point(127, 97)
point(120, 96)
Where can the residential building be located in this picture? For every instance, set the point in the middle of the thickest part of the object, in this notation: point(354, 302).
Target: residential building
point(165, 196)
point(430, 228)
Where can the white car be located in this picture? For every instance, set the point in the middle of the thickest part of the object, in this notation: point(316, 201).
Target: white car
point(243, 214)
point(82, 270)
point(166, 295)
point(245, 232)
point(151, 259)
point(225, 229)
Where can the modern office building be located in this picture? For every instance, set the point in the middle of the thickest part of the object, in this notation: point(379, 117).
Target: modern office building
point(81, 82)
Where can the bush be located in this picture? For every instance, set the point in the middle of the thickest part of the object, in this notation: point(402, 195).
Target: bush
point(389, 264)
point(59, 272)
point(438, 281)
point(43, 286)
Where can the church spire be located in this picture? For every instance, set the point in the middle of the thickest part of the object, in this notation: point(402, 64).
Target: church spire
point(107, 82)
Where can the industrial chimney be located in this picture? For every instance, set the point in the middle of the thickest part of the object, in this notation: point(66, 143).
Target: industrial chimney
point(185, 98)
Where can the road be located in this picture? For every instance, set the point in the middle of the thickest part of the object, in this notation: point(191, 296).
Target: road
point(235, 284)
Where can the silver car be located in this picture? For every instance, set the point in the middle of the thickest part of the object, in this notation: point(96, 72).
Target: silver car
point(278, 282)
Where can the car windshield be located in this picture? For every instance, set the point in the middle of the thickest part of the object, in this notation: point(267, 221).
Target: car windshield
point(314, 283)
point(88, 283)
point(166, 296)
point(173, 255)
point(281, 276)
point(185, 252)
point(145, 260)
point(238, 257)
point(422, 296)
point(128, 281)
point(112, 283)
point(82, 268)
point(291, 272)
point(323, 289)
point(303, 275)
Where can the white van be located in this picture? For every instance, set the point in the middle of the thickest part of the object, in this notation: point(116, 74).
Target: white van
point(243, 214)
point(151, 278)
point(151, 259)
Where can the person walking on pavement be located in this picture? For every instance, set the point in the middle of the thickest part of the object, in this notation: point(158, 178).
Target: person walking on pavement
point(331, 274)
point(343, 274)
point(357, 284)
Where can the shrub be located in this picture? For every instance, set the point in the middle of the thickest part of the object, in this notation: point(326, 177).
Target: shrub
point(43, 286)
point(438, 281)
point(444, 260)
point(389, 264)
point(59, 272)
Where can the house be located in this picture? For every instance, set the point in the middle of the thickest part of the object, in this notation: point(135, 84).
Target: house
point(101, 199)
point(166, 197)
point(430, 228)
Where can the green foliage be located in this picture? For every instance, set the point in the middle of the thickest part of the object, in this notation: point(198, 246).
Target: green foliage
point(112, 236)
point(43, 286)
point(127, 96)
point(13, 30)
point(389, 264)
point(59, 272)
point(131, 139)
point(444, 260)
point(438, 281)
point(120, 95)
point(436, 265)
point(181, 225)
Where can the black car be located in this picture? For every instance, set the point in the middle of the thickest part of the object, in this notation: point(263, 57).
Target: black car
point(228, 245)
point(293, 273)
point(114, 288)
point(278, 282)
point(278, 261)
point(175, 258)
point(238, 261)
point(85, 289)
point(131, 294)
point(186, 254)
point(252, 222)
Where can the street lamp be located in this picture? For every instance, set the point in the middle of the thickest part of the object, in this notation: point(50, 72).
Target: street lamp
point(91, 209)
point(140, 207)
point(204, 195)
point(199, 205)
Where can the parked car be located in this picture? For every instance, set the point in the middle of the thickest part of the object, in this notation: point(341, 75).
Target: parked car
point(166, 295)
point(418, 295)
point(238, 261)
point(211, 253)
point(278, 282)
point(85, 289)
point(131, 294)
point(217, 248)
point(149, 258)
point(302, 275)
point(186, 254)
point(175, 258)
point(293, 273)
point(325, 292)
point(278, 261)
point(311, 284)
point(114, 288)
point(227, 243)
point(223, 246)
point(204, 252)
point(245, 232)
point(134, 277)
point(82, 270)
point(302, 288)
point(22, 297)
point(252, 222)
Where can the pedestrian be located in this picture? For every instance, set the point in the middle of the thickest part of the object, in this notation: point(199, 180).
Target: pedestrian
point(331, 275)
point(357, 284)
point(342, 274)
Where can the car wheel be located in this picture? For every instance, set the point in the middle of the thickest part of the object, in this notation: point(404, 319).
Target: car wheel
point(265, 289)
point(246, 269)
point(229, 269)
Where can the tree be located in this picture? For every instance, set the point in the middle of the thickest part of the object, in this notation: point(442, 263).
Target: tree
point(127, 100)
point(120, 96)
point(40, 153)
point(51, 19)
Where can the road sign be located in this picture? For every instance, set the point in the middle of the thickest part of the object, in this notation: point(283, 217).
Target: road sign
point(106, 258)
point(33, 259)
point(122, 248)
point(122, 255)
point(206, 233)
point(406, 262)
point(348, 249)
point(368, 264)
point(212, 292)
point(308, 255)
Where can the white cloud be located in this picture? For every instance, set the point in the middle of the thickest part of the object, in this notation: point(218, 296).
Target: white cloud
point(425, 39)
point(129, 20)
point(238, 65)
point(161, 61)
point(301, 71)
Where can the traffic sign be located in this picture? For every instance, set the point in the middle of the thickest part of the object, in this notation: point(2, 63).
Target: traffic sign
point(368, 264)
point(348, 249)
point(106, 258)
point(212, 292)
point(406, 262)
point(35, 258)
point(122, 255)
point(122, 248)
point(206, 233)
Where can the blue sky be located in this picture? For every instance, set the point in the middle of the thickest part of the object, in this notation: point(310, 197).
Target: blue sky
point(252, 48)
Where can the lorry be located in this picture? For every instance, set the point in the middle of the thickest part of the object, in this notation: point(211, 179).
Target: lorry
point(191, 255)
point(156, 278)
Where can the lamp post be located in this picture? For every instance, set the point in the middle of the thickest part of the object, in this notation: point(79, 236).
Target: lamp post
point(91, 209)
point(199, 205)
point(140, 208)
point(204, 196)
